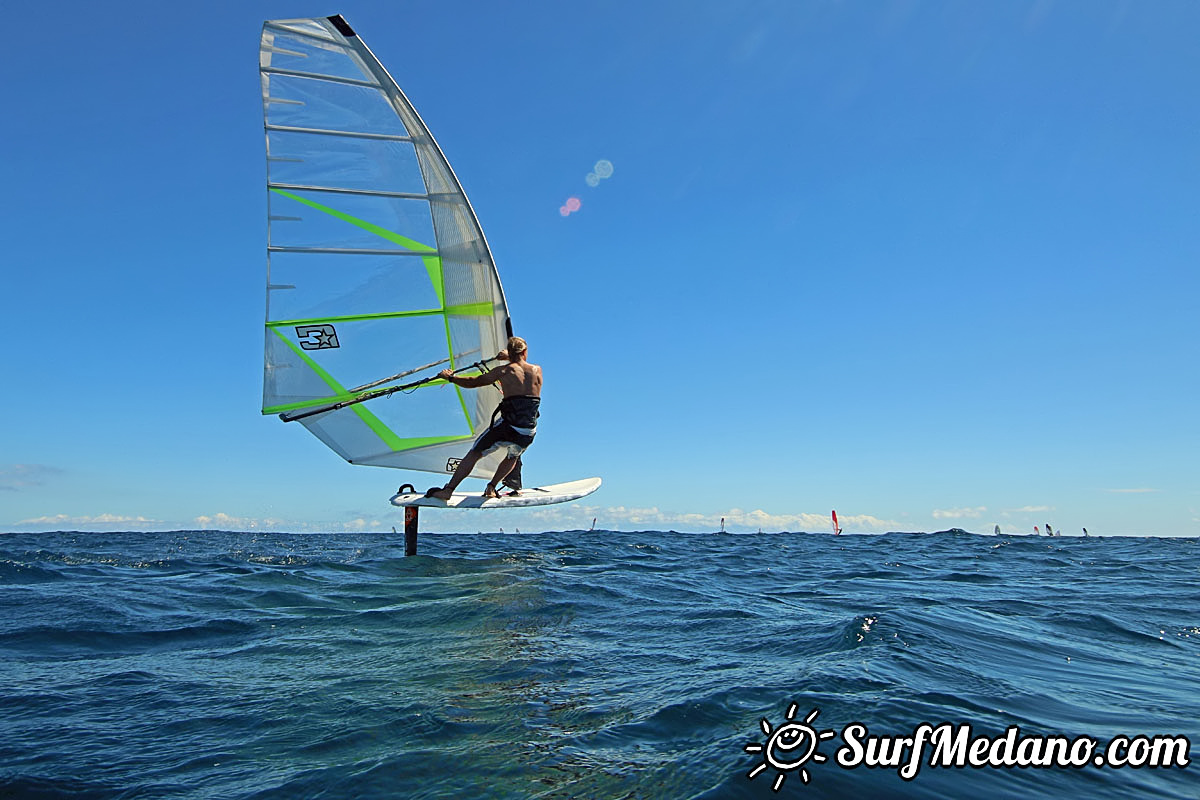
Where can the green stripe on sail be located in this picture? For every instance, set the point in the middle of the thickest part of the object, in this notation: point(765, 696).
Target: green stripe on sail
point(484, 309)
point(462, 401)
point(284, 323)
point(481, 309)
point(433, 265)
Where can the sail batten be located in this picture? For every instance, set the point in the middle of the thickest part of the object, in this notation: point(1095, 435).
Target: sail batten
point(292, 187)
point(383, 137)
point(292, 73)
point(356, 188)
point(346, 251)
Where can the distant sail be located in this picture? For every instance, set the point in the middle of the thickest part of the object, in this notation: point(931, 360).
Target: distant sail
point(1037, 531)
point(377, 269)
point(997, 530)
point(836, 529)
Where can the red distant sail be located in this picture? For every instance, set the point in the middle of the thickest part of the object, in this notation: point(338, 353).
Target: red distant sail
point(836, 529)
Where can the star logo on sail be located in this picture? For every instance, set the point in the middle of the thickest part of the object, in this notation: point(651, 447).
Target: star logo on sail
point(317, 337)
point(789, 747)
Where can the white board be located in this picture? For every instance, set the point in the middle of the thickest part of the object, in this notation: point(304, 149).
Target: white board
point(529, 496)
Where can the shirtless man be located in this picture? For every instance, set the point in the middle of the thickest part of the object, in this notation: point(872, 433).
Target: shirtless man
point(514, 425)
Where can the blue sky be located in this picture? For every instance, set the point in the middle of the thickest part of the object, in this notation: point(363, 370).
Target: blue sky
point(932, 264)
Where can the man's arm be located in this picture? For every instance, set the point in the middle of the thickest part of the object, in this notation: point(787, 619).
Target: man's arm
point(472, 381)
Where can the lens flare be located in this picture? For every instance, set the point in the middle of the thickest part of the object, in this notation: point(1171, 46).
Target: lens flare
point(602, 171)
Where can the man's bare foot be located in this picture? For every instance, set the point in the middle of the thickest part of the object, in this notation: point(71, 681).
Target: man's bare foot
point(490, 491)
point(439, 493)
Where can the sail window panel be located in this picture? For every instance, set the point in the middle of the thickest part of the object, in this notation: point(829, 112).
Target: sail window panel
point(348, 221)
point(330, 285)
point(355, 360)
point(330, 106)
point(311, 55)
point(430, 411)
point(337, 162)
point(465, 338)
point(288, 378)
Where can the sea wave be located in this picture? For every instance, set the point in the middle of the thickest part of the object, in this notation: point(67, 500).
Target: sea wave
point(576, 664)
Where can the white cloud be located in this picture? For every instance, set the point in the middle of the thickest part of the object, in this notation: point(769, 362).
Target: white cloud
point(959, 513)
point(228, 522)
point(736, 519)
point(98, 519)
point(1028, 510)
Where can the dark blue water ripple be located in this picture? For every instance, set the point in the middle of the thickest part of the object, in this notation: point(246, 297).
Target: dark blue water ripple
point(567, 665)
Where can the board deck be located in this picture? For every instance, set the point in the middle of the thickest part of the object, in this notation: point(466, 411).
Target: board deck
point(530, 496)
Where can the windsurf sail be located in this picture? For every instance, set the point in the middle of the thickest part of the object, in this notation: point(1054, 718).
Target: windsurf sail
point(378, 273)
point(836, 529)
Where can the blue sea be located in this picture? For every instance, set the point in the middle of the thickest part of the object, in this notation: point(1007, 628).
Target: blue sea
point(584, 664)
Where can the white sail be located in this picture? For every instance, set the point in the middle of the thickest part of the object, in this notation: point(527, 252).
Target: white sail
point(378, 274)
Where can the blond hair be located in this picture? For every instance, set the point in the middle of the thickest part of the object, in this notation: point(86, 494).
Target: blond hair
point(516, 346)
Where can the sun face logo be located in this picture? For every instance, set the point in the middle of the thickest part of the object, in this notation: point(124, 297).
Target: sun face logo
point(789, 746)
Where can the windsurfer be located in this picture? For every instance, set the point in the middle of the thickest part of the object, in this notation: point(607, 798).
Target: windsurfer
point(513, 426)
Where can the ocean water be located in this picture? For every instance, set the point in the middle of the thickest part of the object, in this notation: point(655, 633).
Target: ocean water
point(582, 664)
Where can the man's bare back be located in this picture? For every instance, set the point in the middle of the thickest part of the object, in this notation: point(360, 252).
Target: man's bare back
point(517, 378)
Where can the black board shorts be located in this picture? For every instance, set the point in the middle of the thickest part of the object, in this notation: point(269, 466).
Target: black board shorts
point(502, 435)
point(514, 424)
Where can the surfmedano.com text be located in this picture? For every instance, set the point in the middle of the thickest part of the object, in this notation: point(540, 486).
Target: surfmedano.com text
point(954, 746)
